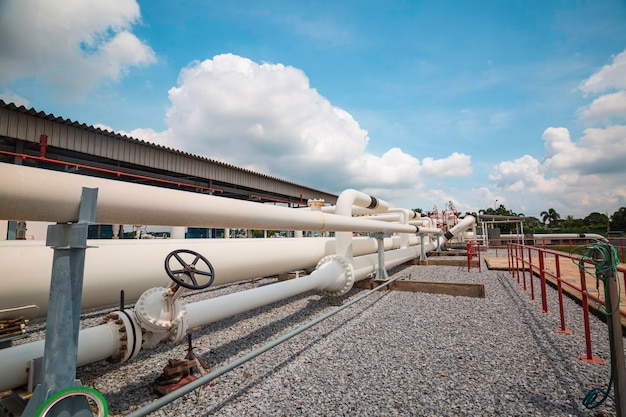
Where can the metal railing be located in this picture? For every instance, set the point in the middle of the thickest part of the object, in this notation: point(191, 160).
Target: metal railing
point(534, 260)
point(550, 242)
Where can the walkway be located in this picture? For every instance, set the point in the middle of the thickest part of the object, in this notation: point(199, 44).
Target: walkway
point(570, 273)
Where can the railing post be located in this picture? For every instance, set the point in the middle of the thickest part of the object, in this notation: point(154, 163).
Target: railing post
point(509, 249)
point(588, 356)
point(561, 329)
point(523, 268)
point(542, 277)
point(532, 277)
point(517, 263)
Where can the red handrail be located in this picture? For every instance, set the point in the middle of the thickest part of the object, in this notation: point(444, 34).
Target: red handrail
point(515, 259)
point(111, 171)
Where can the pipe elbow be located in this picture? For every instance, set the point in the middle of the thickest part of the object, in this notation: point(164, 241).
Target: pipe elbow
point(351, 197)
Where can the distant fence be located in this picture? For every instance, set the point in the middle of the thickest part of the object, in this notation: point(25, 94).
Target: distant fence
point(547, 265)
point(618, 242)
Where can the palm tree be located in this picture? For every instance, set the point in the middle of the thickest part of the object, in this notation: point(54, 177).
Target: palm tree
point(551, 216)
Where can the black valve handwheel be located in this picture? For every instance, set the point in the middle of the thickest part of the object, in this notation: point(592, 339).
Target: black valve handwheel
point(198, 266)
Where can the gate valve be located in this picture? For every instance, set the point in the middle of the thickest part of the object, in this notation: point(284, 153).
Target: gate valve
point(159, 310)
point(183, 273)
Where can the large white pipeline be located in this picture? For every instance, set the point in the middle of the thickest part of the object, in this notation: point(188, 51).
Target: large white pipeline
point(43, 195)
point(33, 194)
point(115, 340)
point(136, 265)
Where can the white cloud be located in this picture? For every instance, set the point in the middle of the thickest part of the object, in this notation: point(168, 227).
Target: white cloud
point(609, 77)
point(606, 107)
point(73, 44)
point(268, 118)
point(10, 97)
point(574, 175)
point(557, 141)
point(599, 151)
point(455, 165)
point(523, 175)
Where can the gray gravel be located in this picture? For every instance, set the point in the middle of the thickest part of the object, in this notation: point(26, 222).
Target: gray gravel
point(392, 354)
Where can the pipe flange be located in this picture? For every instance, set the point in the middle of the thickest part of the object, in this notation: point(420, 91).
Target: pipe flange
point(130, 338)
point(157, 312)
point(177, 333)
point(348, 273)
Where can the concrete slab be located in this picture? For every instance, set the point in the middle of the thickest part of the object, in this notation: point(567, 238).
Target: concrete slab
point(457, 289)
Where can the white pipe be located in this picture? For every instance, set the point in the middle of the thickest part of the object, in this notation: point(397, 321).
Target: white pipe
point(136, 265)
point(102, 341)
point(463, 225)
point(567, 236)
point(215, 309)
point(345, 202)
point(394, 215)
point(94, 344)
point(178, 232)
point(38, 194)
point(356, 210)
point(428, 230)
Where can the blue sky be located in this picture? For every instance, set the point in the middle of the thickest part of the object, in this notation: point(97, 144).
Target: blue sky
point(416, 102)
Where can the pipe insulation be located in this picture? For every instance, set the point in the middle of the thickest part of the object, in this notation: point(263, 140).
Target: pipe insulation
point(35, 194)
point(136, 265)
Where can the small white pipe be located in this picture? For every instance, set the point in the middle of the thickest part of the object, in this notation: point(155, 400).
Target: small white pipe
point(178, 232)
point(214, 309)
point(463, 225)
point(428, 230)
point(94, 344)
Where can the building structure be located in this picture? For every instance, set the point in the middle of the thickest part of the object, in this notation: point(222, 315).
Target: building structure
point(42, 140)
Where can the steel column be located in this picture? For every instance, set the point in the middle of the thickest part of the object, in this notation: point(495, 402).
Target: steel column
point(69, 242)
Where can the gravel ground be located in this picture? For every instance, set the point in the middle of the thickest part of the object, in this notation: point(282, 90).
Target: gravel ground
point(391, 354)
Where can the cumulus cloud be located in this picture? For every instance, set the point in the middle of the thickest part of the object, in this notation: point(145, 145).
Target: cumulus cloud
point(268, 118)
point(599, 151)
point(609, 77)
point(73, 44)
point(606, 107)
point(573, 173)
point(588, 171)
point(455, 165)
point(525, 174)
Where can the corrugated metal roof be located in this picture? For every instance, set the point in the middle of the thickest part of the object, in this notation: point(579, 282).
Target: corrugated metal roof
point(137, 150)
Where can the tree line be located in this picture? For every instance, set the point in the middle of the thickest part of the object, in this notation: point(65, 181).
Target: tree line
point(551, 221)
